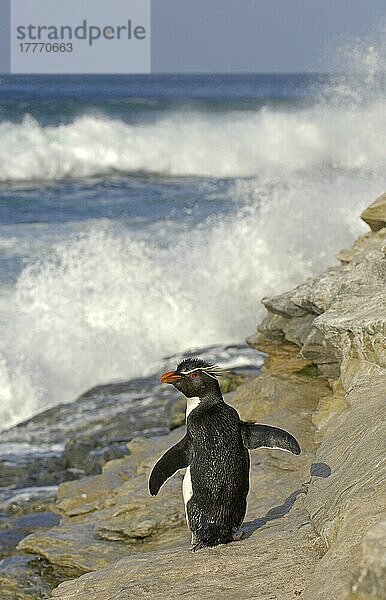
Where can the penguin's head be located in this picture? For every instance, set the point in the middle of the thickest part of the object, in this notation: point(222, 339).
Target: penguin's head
point(194, 377)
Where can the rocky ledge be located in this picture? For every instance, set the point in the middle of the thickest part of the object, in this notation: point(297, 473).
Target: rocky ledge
point(316, 524)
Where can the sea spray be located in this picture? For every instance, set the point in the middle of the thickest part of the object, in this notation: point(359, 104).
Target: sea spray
point(261, 142)
point(108, 303)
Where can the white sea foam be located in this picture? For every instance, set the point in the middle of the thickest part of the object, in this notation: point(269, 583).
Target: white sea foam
point(109, 304)
point(233, 144)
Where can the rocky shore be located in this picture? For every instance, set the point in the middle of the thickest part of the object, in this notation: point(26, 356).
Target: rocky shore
point(316, 524)
point(70, 441)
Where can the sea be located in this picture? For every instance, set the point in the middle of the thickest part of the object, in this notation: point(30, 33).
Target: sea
point(146, 216)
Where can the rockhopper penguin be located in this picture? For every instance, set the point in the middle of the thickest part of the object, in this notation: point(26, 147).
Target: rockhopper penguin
point(214, 452)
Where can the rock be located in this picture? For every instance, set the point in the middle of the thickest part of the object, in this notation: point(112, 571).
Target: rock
point(365, 243)
point(342, 329)
point(74, 549)
point(343, 313)
point(22, 501)
point(31, 465)
point(17, 529)
point(370, 582)
point(243, 570)
point(83, 455)
point(278, 534)
point(23, 511)
point(375, 214)
point(176, 412)
point(113, 506)
point(69, 441)
point(113, 514)
point(21, 578)
point(344, 506)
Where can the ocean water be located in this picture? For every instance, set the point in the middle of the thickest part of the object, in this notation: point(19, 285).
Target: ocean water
point(143, 216)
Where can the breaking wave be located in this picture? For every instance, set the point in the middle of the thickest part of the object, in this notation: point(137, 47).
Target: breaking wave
point(228, 145)
point(109, 303)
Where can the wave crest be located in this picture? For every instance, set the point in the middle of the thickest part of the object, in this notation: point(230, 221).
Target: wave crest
point(233, 144)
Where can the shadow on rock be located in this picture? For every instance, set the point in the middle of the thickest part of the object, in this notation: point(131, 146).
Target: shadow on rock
point(316, 470)
point(274, 513)
point(320, 469)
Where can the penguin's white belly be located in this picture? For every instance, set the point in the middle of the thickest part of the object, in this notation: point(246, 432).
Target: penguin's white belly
point(187, 491)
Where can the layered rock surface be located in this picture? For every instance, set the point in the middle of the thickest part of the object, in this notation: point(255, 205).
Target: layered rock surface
point(116, 506)
point(315, 524)
point(68, 441)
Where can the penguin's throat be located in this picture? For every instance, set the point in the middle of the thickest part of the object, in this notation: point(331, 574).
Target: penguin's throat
point(191, 404)
point(194, 401)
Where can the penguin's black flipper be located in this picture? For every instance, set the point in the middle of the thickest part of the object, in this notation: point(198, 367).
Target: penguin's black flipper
point(265, 436)
point(177, 457)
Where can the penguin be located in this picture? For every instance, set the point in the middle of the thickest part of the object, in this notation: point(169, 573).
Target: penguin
point(215, 453)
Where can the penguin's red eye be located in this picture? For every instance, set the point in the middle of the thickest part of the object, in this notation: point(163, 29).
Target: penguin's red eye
point(193, 375)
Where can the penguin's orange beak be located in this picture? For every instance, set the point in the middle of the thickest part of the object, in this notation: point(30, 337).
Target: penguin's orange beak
point(170, 377)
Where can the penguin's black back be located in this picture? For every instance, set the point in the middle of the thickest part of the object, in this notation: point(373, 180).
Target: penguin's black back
point(219, 473)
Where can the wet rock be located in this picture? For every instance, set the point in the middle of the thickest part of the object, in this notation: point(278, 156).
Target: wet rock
point(21, 576)
point(26, 577)
point(85, 456)
point(22, 512)
point(68, 441)
point(14, 530)
point(74, 439)
point(113, 507)
point(23, 465)
point(26, 500)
